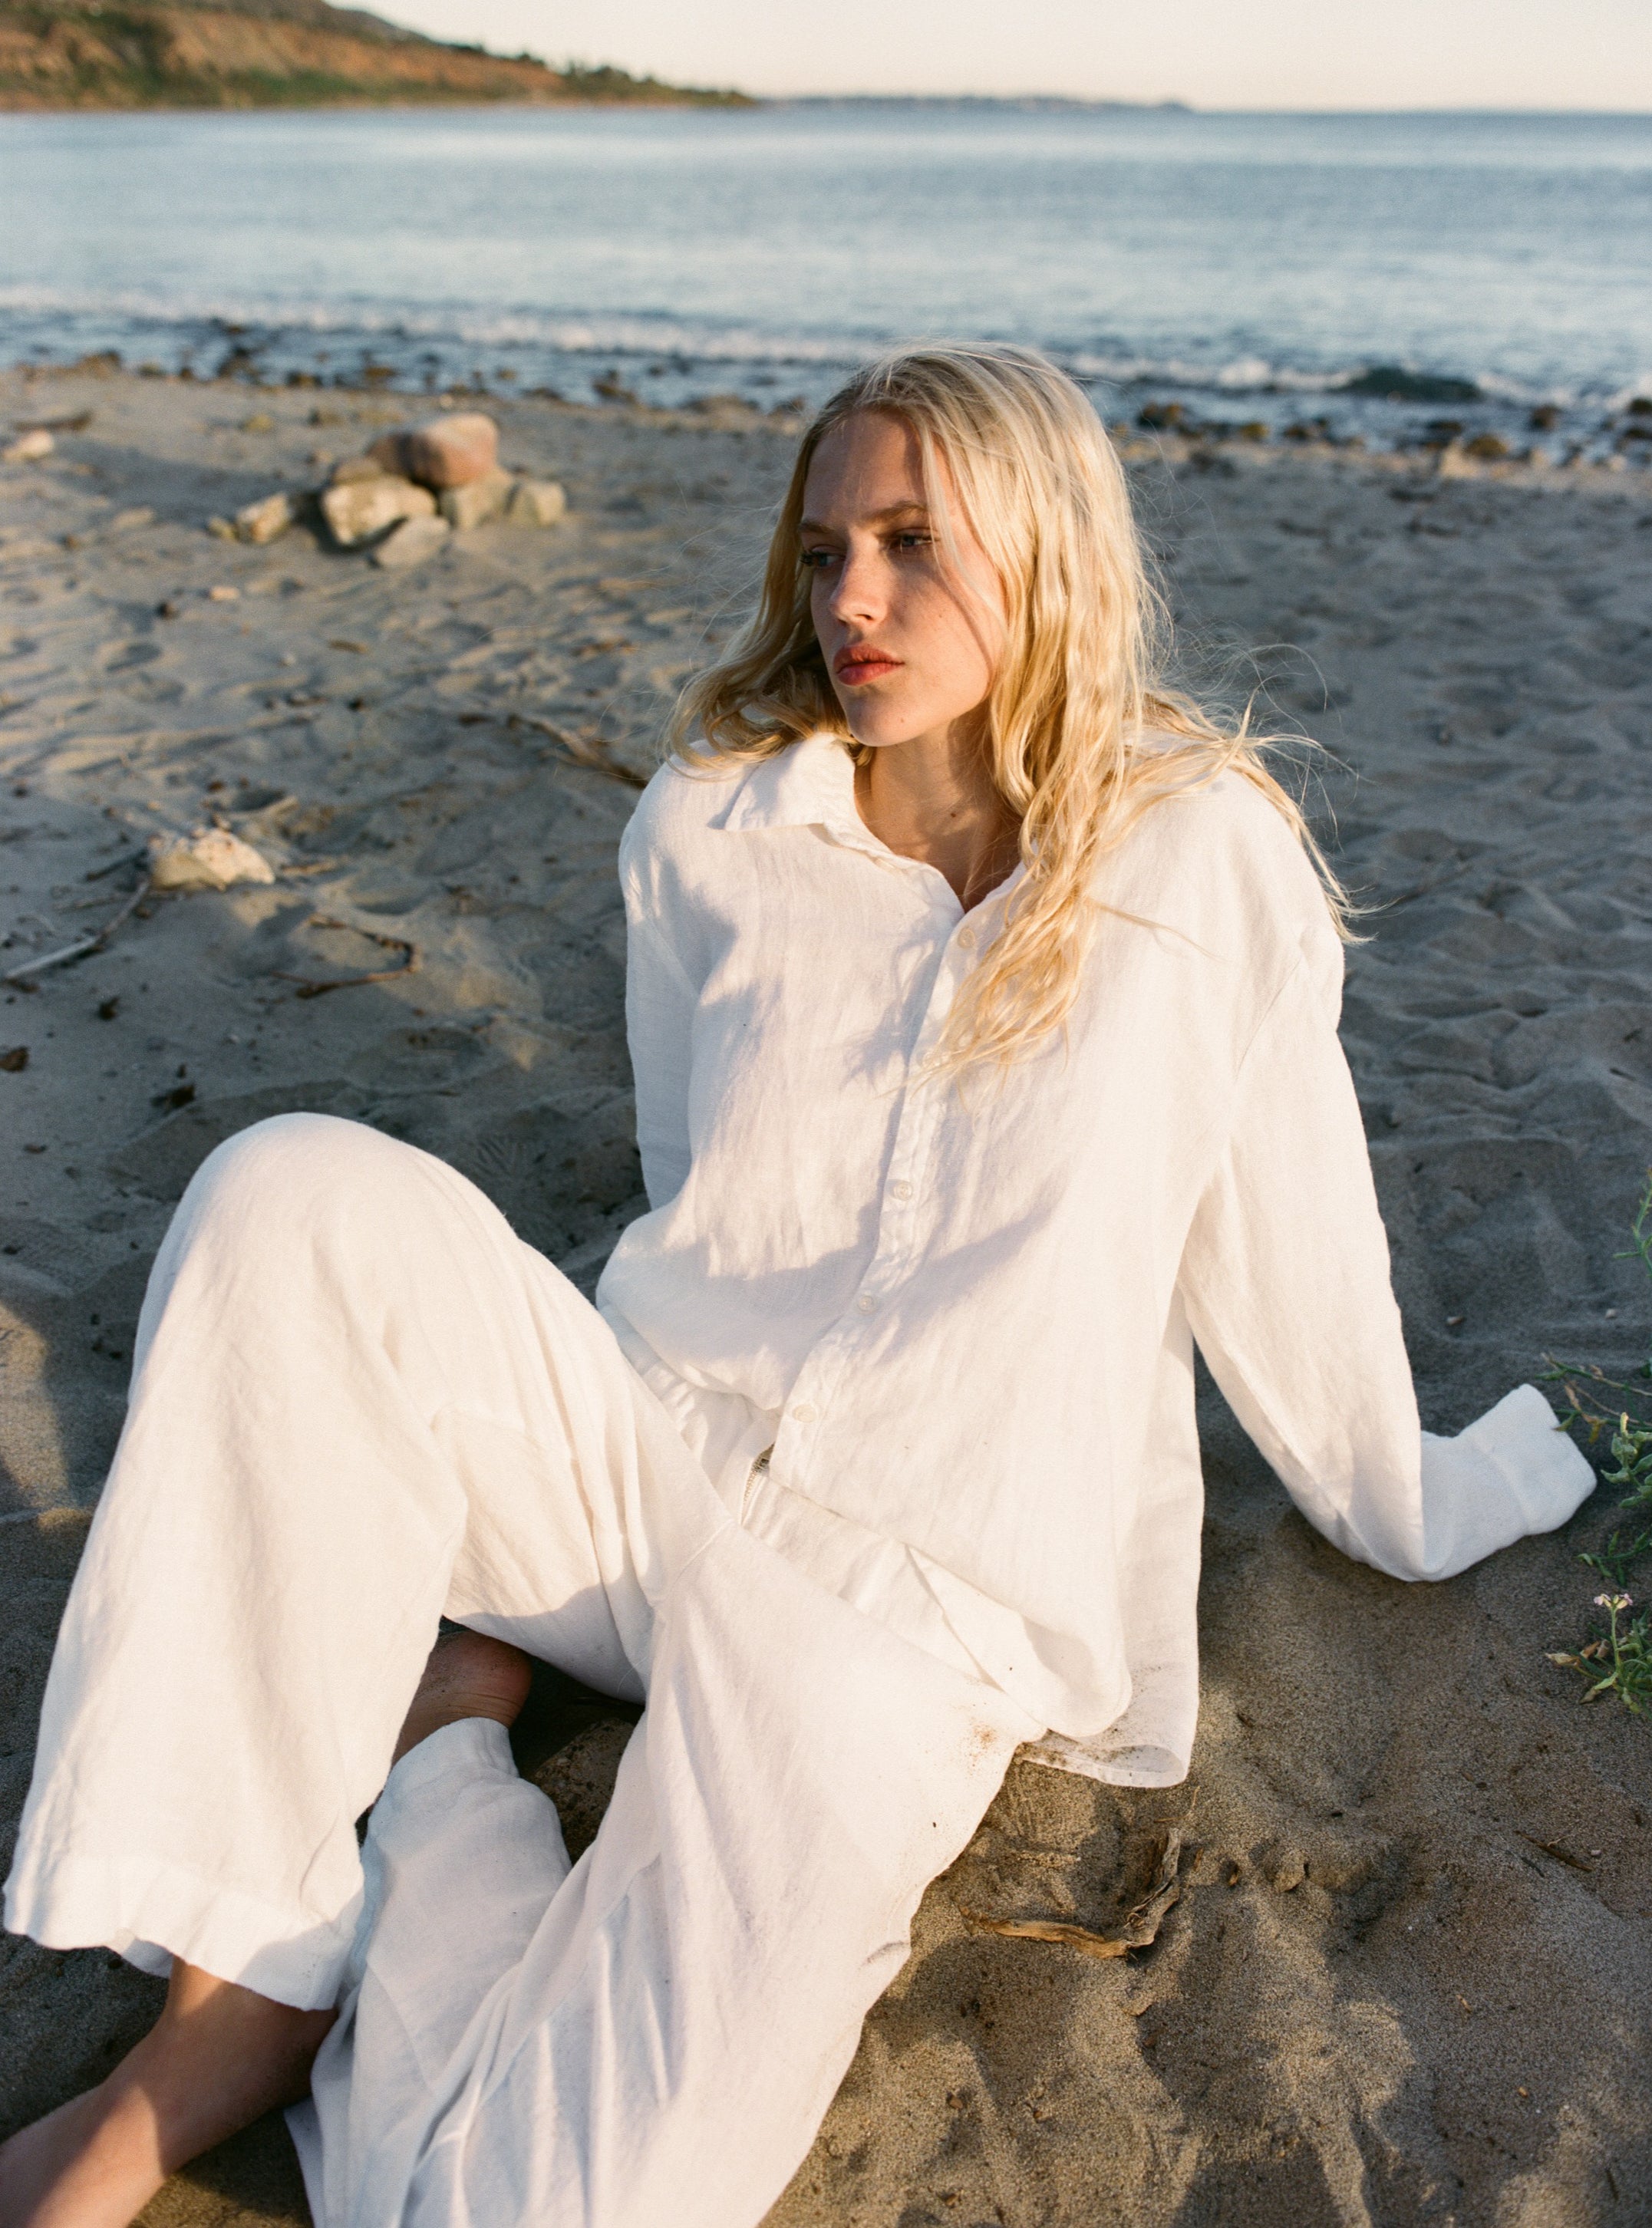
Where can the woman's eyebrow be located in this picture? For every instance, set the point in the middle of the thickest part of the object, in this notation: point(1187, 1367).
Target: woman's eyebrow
point(874, 518)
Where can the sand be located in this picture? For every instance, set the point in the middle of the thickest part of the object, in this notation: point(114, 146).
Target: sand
point(1409, 1978)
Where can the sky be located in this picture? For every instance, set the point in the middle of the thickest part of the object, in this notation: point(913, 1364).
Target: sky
point(1215, 54)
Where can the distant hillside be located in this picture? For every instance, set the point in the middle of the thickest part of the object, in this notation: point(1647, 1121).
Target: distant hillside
point(272, 54)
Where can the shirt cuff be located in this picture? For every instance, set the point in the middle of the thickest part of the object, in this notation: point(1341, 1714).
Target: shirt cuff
point(1514, 1471)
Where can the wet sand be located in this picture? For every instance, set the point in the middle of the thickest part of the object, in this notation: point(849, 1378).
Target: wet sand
point(1408, 1976)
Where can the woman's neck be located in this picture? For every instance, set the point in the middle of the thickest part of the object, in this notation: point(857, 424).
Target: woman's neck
point(934, 799)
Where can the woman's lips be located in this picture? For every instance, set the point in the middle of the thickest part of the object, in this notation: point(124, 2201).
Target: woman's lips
point(860, 663)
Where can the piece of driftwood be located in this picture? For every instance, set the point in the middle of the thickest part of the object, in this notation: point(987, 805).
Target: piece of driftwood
point(1555, 1849)
point(1141, 1923)
point(588, 752)
point(82, 945)
point(311, 986)
point(127, 859)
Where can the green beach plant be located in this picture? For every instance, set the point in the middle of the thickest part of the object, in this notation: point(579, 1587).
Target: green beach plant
point(1616, 1559)
point(1619, 1661)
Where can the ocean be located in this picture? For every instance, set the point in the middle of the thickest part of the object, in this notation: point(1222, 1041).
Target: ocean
point(1369, 274)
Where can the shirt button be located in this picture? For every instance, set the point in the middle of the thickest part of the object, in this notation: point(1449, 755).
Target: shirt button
point(966, 939)
point(900, 1189)
point(803, 1413)
point(866, 1304)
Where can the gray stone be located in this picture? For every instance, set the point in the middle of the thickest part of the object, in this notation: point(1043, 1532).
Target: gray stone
point(536, 502)
point(263, 521)
point(207, 859)
point(477, 502)
point(413, 541)
point(359, 510)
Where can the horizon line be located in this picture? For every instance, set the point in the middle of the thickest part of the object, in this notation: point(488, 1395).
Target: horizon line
point(1197, 107)
point(1170, 104)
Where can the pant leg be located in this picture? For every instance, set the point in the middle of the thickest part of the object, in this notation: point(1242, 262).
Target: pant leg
point(357, 1400)
point(656, 2037)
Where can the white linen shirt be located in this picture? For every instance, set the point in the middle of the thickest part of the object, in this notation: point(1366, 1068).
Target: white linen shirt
point(962, 1315)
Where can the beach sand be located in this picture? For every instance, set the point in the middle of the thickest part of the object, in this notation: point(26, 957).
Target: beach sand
point(1409, 1978)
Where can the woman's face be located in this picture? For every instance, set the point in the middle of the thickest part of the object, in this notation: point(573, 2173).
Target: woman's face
point(911, 640)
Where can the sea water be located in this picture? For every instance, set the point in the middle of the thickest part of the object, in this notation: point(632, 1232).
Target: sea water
point(1258, 267)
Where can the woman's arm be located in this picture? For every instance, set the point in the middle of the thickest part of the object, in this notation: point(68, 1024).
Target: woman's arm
point(1286, 1282)
point(660, 1003)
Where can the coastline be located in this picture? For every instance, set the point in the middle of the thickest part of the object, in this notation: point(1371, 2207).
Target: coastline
point(646, 251)
point(1401, 1983)
point(68, 57)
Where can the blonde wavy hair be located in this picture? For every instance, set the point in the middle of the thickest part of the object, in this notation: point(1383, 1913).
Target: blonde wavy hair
point(1082, 733)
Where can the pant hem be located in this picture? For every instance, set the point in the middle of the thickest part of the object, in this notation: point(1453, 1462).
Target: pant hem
point(139, 1905)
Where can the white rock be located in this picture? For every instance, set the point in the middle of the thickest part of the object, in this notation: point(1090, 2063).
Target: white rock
point(206, 859)
point(413, 541)
point(535, 502)
point(264, 520)
point(477, 502)
point(27, 448)
point(358, 509)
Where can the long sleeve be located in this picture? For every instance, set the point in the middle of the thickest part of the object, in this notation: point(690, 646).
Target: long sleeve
point(1286, 1281)
point(659, 1027)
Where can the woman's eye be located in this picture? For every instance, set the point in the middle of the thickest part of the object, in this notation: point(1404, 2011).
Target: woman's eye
point(913, 541)
point(814, 559)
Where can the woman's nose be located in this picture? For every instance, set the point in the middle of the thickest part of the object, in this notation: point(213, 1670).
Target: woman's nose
point(858, 598)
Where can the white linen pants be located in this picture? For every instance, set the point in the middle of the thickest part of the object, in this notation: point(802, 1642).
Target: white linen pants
point(358, 1402)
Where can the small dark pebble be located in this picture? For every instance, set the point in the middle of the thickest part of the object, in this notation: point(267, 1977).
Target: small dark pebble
point(181, 1094)
point(15, 1061)
point(107, 1009)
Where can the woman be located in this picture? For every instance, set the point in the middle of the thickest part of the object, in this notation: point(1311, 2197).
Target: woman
point(982, 1000)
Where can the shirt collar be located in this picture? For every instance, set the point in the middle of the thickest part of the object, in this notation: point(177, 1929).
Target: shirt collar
point(810, 783)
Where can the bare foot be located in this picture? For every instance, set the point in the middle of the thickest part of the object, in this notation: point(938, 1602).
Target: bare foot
point(468, 1675)
point(218, 2058)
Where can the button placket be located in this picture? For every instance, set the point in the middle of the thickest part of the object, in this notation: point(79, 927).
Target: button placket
point(830, 1360)
point(897, 1221)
